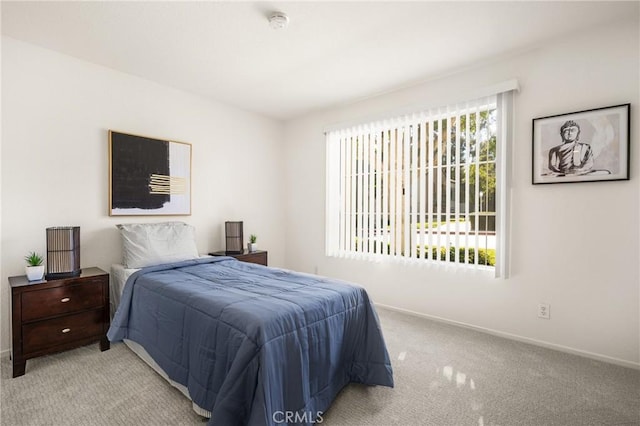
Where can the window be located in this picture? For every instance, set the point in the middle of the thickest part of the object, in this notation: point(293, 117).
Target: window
point(422, 187)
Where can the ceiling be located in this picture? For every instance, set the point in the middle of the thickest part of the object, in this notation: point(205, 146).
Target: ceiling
point(332, 53)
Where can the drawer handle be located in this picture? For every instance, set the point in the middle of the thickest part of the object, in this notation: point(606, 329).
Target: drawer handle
point(65, 300)
point(66, 330)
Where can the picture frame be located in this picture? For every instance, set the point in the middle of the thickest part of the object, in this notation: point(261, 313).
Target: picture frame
point(148, 176)
point(583, 146)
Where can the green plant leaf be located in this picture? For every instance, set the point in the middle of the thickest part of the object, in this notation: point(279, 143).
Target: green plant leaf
point(34, 259)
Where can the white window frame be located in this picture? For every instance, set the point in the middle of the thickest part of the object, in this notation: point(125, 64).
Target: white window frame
point(368, 134)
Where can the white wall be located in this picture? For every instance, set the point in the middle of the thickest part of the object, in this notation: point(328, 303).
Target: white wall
point(575, 246)
point(56, 112)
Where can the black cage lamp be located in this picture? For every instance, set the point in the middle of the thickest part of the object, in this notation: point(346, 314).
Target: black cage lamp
point(234, 237)
point(63, 252)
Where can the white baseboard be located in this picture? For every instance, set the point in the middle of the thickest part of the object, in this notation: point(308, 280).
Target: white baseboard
point(561, 348)
point(5, 354)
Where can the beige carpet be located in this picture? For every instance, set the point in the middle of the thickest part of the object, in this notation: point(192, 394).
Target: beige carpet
point(445, 375)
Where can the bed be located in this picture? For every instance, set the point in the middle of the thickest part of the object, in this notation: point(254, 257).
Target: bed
point(249, 343)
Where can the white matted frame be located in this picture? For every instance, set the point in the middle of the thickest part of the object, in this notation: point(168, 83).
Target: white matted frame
point(148, 176)
point(583, 146)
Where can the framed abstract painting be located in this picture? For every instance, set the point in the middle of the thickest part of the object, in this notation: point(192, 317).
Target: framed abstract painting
point(148, 176)
point(583, 146)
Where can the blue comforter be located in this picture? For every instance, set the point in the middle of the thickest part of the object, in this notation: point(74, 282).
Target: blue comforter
point(251, 343)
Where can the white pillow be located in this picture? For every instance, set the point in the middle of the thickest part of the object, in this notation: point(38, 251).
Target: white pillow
point(146, 244)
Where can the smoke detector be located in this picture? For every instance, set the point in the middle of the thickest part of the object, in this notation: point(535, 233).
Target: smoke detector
point(278, 20)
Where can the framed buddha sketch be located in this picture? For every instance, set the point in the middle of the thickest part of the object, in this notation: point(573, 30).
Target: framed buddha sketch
point(583, 146)
point(148, 176)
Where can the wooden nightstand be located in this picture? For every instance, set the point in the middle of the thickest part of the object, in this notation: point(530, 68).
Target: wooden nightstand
point(258, 256)
point(57, 315)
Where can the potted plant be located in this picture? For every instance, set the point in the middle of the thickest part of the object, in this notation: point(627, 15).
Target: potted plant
point(34, 268)
point(253, 246)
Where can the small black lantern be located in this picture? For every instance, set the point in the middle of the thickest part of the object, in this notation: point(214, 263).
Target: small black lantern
point(234, 237)
point(63, 252)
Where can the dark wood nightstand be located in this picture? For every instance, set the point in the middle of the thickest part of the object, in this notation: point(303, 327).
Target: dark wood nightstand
point(258, 256)
point(57, 315)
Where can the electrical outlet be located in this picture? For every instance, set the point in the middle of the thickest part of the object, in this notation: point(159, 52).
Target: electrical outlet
point(544, 311)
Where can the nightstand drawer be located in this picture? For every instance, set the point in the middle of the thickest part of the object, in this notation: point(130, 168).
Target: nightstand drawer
point(58, 331)
point(61, 300)
point(259, 258)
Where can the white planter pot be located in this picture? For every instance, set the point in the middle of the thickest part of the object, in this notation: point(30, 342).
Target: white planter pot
point(252, 246)
point(34, 273)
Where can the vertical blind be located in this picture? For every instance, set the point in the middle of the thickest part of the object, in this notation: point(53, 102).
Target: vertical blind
point(421, 186)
